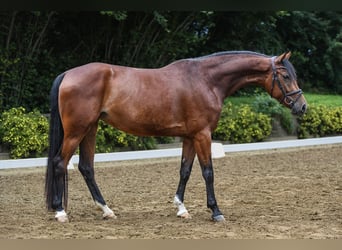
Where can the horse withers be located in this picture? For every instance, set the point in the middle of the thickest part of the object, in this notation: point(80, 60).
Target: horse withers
point(184, 99)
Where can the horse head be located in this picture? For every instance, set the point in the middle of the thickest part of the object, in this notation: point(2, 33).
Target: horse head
point(282, 84)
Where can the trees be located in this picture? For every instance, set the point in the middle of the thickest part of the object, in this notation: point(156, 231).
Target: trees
point(37, 46)
point(315, 39)
point(24, 59)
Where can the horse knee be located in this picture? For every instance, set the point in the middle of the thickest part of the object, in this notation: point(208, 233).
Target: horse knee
point(87, 172)
point(208, 174)
point(185, 169)
point(185, 173)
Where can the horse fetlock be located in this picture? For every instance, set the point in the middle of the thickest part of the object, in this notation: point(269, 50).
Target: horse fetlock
point(56, 204)
point(107, 212)
point(61, 216)
point(182, 211)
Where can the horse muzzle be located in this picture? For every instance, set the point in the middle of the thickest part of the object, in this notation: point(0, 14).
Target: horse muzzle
point(299, 107)
point(295, 101)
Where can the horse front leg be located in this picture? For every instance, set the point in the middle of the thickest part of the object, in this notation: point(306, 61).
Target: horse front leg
point(203, 149)
point(188, 155)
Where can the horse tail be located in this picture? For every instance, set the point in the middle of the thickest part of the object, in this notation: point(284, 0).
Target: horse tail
point(56, 134)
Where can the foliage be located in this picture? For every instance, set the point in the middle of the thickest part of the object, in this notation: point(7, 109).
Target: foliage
point(118, 15)
point(320, 121)
point(164, 139)
point(109, 139)
point(25, 133)
point(242, 124)
point(36, 46)
point(272, 108)
point(26, 62)
point(316, 39)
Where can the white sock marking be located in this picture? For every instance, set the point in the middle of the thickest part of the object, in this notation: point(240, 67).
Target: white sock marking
point(180, 205)
point(107, 212)
point(61, 213)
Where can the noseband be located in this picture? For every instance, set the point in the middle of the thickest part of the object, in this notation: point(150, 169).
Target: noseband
point(287, 97)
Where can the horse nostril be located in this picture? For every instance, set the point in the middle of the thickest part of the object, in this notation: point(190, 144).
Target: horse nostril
point(303, 108)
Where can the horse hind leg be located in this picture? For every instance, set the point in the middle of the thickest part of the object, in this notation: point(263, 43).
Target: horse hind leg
point(86, 167)
point(61, 178)
point(60, 189)
point(188, 155)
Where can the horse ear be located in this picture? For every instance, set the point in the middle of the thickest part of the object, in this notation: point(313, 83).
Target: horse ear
point(282, 57)
point(287, 55)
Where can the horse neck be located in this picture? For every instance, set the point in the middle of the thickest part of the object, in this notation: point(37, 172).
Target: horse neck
point(231, 72)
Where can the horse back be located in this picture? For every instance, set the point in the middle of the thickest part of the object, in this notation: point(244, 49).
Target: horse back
point(165, 101)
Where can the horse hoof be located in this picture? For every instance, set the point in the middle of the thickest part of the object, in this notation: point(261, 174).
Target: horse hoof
point(109, 215)
point(219, 218)
point(185, 215)
point(61, 216)
point(63, 219)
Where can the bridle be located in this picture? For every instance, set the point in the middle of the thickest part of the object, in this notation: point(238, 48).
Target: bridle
point(287, 97)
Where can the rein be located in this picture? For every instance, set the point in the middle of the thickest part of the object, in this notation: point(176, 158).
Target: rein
point(287, 97)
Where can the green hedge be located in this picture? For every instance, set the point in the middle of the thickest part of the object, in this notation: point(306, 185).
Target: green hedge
point(26, 134)
point(109, 139)
point(320, 121)
point(271, 107)
point(240, 124)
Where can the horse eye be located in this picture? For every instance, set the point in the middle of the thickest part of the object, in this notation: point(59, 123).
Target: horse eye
point(286, 76)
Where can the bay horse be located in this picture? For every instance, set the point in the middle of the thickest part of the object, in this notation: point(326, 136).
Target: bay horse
point(181, 99)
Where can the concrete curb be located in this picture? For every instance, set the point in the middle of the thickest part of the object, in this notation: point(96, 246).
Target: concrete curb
point(173, 152)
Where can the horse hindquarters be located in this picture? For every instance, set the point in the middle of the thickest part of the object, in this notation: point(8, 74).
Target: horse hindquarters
point(62, 146)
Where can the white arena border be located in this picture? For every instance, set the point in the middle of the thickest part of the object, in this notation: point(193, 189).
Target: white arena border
point(173, 152)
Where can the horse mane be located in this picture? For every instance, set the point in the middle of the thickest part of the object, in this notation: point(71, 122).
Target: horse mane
point(287, 64)
point(290, 69)
point(234, 52)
